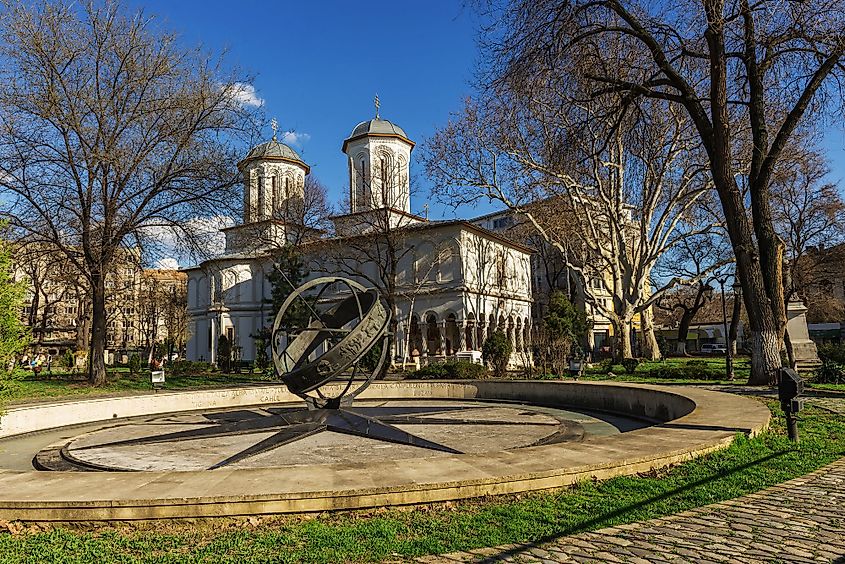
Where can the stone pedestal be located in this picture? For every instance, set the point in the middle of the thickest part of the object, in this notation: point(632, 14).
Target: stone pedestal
point(796, 326)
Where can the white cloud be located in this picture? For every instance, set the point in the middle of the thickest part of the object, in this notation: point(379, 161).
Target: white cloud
point(295, 138)
point(168, 263)
point(170, 244)
point(245, 94)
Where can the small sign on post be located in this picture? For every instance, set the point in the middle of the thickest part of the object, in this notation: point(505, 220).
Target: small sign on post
point(157, 379)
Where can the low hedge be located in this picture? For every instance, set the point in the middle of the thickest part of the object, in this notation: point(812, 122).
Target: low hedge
point(452, 370)
point(686, 372)
point(189, 367)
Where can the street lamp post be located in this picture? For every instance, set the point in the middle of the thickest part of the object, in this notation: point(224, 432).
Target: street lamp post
point(729, 365)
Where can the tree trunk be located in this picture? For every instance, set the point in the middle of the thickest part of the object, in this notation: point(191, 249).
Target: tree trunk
point(96, 360)
point(733, 330)
point(765, 357)
point(35, 304)
point(683, 331)
point(651, 350)
point(755, 259)
point(623, 340)
point(83, 320)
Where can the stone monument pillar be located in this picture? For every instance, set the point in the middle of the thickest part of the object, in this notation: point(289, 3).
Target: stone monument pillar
point(796, 326)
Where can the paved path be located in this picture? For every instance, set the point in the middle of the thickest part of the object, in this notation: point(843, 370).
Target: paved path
point(802, 520)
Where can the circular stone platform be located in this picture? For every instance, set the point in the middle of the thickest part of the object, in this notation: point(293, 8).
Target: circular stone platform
point(201, 440)
point(511, 436)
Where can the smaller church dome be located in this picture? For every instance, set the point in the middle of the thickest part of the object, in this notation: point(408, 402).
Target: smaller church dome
point(274, 150)
point(376, 126)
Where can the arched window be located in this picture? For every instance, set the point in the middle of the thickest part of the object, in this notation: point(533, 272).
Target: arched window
point(384, 176)
point(260, 203)
point(275, 188)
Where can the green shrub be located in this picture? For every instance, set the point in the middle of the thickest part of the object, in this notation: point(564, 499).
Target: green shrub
point(262, 361)
point(452, 370)
point(370, 361)
point(496, 351)
point(68, 359)
point(134, 364)
point(830, 372)
point(224, 353)
point(606, 365)
point(630, 365)
point(686, 372)
point(188, 367)
point(833, 352)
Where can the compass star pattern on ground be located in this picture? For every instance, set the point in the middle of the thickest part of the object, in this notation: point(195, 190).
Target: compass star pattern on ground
point(280, 426)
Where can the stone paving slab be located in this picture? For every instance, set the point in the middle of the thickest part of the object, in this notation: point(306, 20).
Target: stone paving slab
point(802, 520)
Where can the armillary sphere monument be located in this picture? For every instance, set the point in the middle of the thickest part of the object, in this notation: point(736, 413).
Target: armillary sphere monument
point(328, 349)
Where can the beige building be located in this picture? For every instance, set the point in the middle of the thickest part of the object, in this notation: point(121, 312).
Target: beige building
point(143, 305)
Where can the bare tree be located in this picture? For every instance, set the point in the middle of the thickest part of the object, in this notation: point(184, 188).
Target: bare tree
point(301, 215)
point(807, 211)
point(626, 185)
point(375, 240)
point(750, 76)
point(108, 130)
point(692, 259)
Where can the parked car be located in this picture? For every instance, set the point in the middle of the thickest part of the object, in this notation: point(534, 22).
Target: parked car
point(713, 348)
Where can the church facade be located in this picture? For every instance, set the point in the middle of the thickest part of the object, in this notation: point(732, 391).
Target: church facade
point(450, 283)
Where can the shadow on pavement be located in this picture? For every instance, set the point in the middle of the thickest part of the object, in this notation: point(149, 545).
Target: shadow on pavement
point(602, 519)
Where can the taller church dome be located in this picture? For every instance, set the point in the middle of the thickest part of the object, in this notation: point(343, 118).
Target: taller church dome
point(376, 126)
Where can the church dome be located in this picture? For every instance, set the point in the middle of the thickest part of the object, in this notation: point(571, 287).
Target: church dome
point(376, 126)
point(274, 150)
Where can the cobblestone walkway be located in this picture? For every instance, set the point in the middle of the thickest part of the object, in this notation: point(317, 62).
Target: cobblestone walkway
point(802, 520)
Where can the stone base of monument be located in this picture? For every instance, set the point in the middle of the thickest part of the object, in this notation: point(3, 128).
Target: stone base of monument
point(109, 462)
point(804, 349)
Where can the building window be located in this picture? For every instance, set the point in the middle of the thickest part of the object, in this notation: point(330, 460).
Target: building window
point(260, 196)
point(384, 178)
point(502, 222)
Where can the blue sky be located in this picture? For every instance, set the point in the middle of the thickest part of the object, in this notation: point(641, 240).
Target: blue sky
point(319, 65)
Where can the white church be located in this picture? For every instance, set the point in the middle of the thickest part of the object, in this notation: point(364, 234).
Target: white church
point(454, 282)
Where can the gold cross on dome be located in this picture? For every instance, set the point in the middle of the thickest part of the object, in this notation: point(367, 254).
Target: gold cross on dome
point(377, 104)
point(274, 125)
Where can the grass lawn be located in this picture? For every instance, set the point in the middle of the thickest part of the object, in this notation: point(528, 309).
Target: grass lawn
point(24, 386)
point(748, 465)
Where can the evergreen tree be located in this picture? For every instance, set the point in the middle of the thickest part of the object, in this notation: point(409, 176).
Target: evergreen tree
point(496, 352)
point(563, 330)
point(224, 354)
point(289, 272)
point(565, 321)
